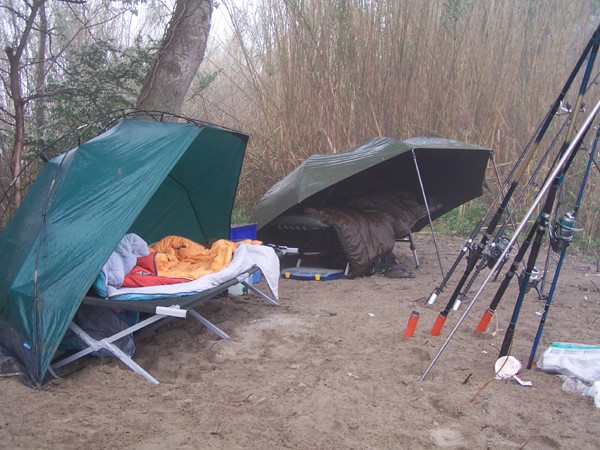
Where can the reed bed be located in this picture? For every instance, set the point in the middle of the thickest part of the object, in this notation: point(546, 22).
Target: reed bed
point(315, 76)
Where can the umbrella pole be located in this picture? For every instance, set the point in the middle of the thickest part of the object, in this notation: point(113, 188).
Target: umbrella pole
point(437, 250)
point(478, 250)
point(566, 241)
point(413, 248)
point(522, 224)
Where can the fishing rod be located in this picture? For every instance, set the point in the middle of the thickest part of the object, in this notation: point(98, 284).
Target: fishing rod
point(468, 243)
point(540, 226)
point(566, 109)
point(560, 239)
point(540, 291)
point(498, 244)
point(541, 223)
point(549, 249)
point(520, 227)
point(501, 240)
point(476, 253)
point(489, 313)
point(526, 275)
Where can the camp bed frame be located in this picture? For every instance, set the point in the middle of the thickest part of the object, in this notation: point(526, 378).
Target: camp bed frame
point(161, 311)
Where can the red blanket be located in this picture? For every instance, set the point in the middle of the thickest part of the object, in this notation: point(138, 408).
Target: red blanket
point(145, 274)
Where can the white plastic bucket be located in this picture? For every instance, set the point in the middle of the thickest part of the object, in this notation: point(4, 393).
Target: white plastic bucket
point(507, 367)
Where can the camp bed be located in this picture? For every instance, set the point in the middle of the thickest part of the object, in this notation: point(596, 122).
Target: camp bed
point(164, 303)
point(160, 311)
point(312, 236)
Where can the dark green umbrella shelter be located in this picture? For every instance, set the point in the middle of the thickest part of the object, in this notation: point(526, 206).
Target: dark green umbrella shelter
point(451, 172)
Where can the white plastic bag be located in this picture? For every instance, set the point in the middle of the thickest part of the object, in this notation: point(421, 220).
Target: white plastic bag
point(572, 384)
point(573, 360)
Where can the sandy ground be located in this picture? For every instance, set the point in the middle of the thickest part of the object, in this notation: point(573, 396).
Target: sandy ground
point(328, 368)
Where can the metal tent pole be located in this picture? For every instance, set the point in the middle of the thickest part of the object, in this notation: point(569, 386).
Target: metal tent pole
point(437, 250)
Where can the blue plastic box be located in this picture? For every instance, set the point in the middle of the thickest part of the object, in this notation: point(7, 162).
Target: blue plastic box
point(241, 231)
point(312, 273)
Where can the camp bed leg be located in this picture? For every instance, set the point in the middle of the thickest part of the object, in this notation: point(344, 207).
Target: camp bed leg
point(212, 327)
point(259, 293)
point(93, 345)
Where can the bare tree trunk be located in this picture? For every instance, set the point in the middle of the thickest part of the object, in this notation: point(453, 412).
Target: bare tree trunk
point(40, 75)
point(14, 59)
point(178, 58)
point(17, 98)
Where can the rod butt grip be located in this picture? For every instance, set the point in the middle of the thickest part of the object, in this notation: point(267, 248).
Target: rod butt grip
point(432, 298)
point(530, 362)
point(484, 322)
point(412, 324)
point(438, 325)
point(507, 343)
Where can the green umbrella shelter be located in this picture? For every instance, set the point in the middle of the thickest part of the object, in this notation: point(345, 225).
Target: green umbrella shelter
point(141, 176)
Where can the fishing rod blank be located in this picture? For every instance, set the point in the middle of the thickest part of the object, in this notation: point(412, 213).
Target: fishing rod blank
point(469, 242)
point(503, 240)
point(522, 224)
point(557, 208)
point(562, 237)
point(465, 248)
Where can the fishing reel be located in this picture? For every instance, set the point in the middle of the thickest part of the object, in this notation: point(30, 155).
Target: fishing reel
point(495, 250)
point(562, 232)
point(534, 279)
